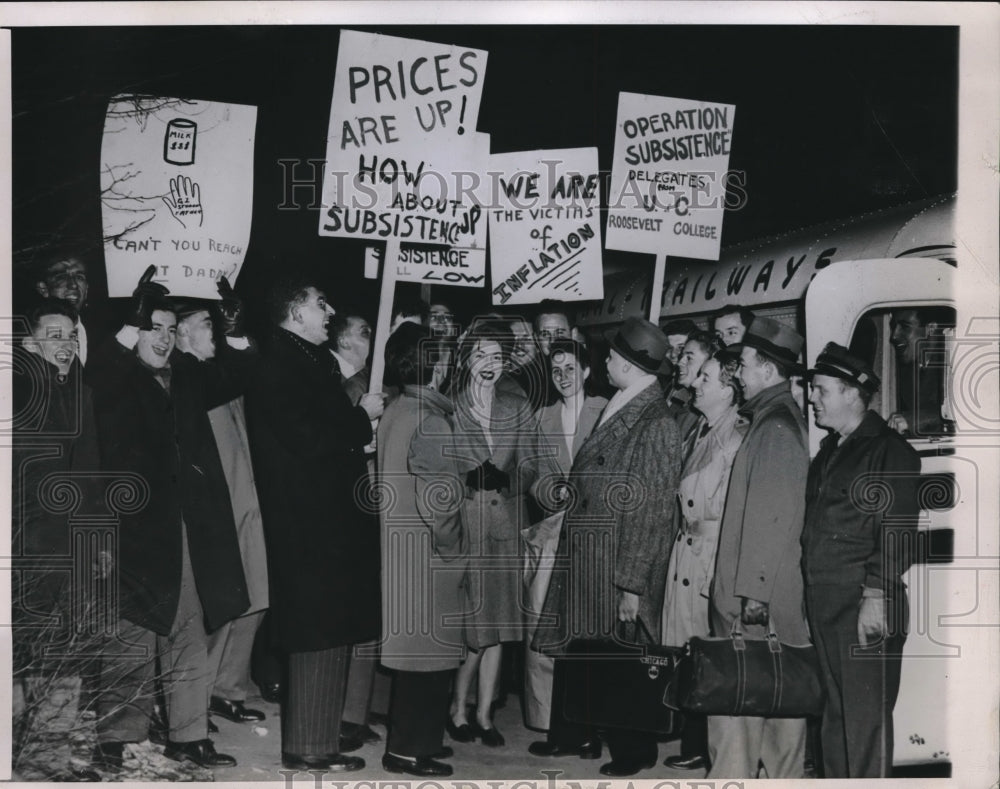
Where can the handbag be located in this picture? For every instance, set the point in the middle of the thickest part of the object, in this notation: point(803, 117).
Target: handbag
point(740, 676)
point(611, 684)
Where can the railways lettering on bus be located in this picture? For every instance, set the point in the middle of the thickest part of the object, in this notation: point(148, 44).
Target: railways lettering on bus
point(842, 282)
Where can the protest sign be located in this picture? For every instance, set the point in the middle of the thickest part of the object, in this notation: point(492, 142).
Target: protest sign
point(545, 233)
point(176, 192)
point(461, 266)
point(402, 125)
point(668, 177)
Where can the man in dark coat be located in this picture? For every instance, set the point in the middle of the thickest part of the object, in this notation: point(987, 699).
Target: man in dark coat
point(351, 344)
point(758, 578)
point(624, 481)
point(178, 558)
point(322, 536)
point(855, 547)
point(54, 470)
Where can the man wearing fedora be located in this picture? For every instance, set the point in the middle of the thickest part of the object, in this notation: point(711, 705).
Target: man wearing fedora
point(758, 577)
point(856, 544)
point(619, 528)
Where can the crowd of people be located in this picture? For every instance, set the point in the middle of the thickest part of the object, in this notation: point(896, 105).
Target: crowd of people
point(512, 488)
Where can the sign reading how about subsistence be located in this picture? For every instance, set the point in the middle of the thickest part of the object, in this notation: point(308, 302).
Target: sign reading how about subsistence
point(545, 230)
point(402, 141)
point(176, 192)
point(463, 266)
point(668, 177)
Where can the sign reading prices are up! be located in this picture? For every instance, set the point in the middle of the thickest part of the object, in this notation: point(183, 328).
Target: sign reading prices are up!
point(402, 141)
point(668, 177)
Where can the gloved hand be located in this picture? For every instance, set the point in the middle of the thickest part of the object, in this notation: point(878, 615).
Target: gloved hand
point(145, 295)
point(753, 612)
point(230, 309)
point(487, 477)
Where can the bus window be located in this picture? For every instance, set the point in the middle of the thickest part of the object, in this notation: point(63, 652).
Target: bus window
point(909, 348)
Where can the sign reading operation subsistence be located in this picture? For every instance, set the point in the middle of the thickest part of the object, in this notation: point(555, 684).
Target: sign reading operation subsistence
point(669, 176)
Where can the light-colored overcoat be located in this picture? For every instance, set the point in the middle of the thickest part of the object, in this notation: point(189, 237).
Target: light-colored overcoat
point(424, 544)
point(702, 497)
point(494, 519)
point(759, 552)
point(619, 526)
point(555, 459)
point(229, 426)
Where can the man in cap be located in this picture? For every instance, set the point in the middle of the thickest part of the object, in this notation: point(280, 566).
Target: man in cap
point(758, 577)
point(619, 529)
point(855, 548)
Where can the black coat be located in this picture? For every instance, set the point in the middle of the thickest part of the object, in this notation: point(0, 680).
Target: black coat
point(307, 442)
point(54, 474)
point(166, 440)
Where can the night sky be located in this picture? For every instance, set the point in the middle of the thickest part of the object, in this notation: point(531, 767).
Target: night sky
point(830, 121)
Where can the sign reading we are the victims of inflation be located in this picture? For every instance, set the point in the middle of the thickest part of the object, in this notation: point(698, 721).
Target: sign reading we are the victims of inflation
point(669, 176)
point(401, 147)
point(176, 192)
point(545, 230)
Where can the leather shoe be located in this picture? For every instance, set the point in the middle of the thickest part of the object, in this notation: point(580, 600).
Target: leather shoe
point(682, 762)
point(270, 692)
point(212, 728)
point(108, 756)
point(339, 763)
point(233, 710)
point(353, 736)
point(490, 737)
point(461, 733)
point(201, 752)
point(331, 762)
point(446, 752)
point(586, 750)
point(421, 766)
point(623, 768)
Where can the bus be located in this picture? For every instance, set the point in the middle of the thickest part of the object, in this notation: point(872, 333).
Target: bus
point(842, 282)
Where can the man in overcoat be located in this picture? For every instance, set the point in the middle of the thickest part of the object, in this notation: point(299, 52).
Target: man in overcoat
point(308, 444)
point(351, 344)
point(178, 562)
point(230, 646)
point(757, 573)
point(855, 548)
point(619, 527)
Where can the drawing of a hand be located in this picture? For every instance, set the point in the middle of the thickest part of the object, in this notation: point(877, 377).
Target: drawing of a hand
point(185, 202)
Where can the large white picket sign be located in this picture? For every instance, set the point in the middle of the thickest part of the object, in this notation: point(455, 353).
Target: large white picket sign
point(176, 192)
point(401, 139)
point(668, 176)
point(463, 266)
point(545, 229)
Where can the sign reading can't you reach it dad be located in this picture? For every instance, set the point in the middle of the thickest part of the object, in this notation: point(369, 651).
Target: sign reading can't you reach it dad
point(668, 178)
point(176, 192)
point(545, 231)
point(402, 132)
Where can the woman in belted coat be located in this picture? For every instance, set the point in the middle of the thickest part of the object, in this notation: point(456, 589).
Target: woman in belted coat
point(562, 428)
point(493, 432)
point(702, 496)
